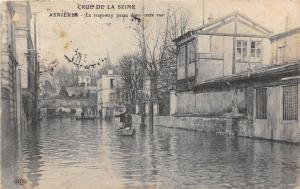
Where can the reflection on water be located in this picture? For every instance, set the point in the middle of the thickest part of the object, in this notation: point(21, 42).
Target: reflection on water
point(66, 153)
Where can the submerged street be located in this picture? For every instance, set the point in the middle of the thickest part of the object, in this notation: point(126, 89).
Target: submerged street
point(214, 85)
point(69, 153)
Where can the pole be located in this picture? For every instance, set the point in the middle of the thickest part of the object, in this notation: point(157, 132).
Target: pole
point(77, 75)
point(145, 65)
point(35, 95)
point(203, 12)
point(234, 45)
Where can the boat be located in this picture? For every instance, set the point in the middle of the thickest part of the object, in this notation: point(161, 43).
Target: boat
point(126, 131)
point(119, 127)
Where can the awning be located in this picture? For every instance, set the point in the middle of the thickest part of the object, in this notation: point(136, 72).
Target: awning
point(268, 72)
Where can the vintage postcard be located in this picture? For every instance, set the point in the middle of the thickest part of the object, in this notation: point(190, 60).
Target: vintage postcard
point(200, 94)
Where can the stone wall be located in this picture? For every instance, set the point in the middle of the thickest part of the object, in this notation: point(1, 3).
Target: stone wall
point(217, 125)
point(224, 125)
point(67, 102)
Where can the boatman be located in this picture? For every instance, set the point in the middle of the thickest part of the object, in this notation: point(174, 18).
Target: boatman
point(128, 119)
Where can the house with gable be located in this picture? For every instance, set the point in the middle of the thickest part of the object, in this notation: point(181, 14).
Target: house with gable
point(234, 68)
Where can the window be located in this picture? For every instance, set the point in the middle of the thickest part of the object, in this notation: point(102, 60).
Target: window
point(290, 102)
point(281, 54)
point(191, 53)
point(241, 51)
point(112, 97)
point(182, 56)
point(256, 47)
point(261, 103)
point(187, 54)
point(111, 83)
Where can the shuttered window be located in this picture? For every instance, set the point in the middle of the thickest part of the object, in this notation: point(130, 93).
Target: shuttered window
point(191, 53)
point(290, 102)
point(261, 103)
point(182, 54)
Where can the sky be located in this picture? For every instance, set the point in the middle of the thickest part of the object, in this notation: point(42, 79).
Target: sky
point(112, 36)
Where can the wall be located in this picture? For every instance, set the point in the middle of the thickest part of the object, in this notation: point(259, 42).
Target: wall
point(227, 126)
point(217, 102)
point(80, 90)
point(224, 126)
point(185, 102)
point(107, 95)
point(210, 59)
point(274, 127)
point(8, 66)
point(173, 102)
point(214, 101)
point(191, 70)
point(67, 102)
point(291, 46)
point(215, 57)
point(180, 72)
point(209, 69)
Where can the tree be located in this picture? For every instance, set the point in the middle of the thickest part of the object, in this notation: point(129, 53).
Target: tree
point(65, 76)
point(159, 52)
point(63, 92)
point(108, 66)
point(133, 76)
point(180, 22)
point(79, 61)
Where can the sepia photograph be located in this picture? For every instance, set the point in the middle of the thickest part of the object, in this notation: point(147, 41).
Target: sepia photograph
point(150, 94)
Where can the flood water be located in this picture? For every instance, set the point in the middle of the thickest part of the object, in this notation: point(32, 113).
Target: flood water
point(66, 153)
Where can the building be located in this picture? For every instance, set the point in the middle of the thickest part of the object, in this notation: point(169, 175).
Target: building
point(109, 93)
point(285, 46)
point(146, 99)
point(234, 67)
point(17, 65)
point(8, 66)
point(84, 78)
point(15, 41)
point(26, 59)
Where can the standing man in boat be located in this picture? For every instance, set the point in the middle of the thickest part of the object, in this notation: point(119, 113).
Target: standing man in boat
point(128, 119)
point(121, 113)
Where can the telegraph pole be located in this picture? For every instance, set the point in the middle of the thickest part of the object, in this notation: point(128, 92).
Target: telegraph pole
point(36, 76)
point(203, 12)
point(144, 66)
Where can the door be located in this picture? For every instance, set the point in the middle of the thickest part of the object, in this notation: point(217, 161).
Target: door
point(274, 101)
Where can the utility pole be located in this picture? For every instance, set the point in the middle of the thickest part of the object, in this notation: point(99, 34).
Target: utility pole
point(77, 75)
point(36, 76)
point(144, 66)
point(203, 12)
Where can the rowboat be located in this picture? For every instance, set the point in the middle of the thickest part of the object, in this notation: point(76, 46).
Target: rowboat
point(120, 130)
point(126, 131)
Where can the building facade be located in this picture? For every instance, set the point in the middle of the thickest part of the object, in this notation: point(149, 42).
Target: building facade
point(17, 66)
point(26, 59)
point(109, 93)
point(234, 67)
point(9, 66)
point(84, 78)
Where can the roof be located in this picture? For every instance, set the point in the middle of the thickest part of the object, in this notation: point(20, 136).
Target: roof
point(259, 73)
point(224, 20)
point(83, 73)
point(286, 33)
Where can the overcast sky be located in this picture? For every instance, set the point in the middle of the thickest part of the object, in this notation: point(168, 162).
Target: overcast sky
point(98, 37)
